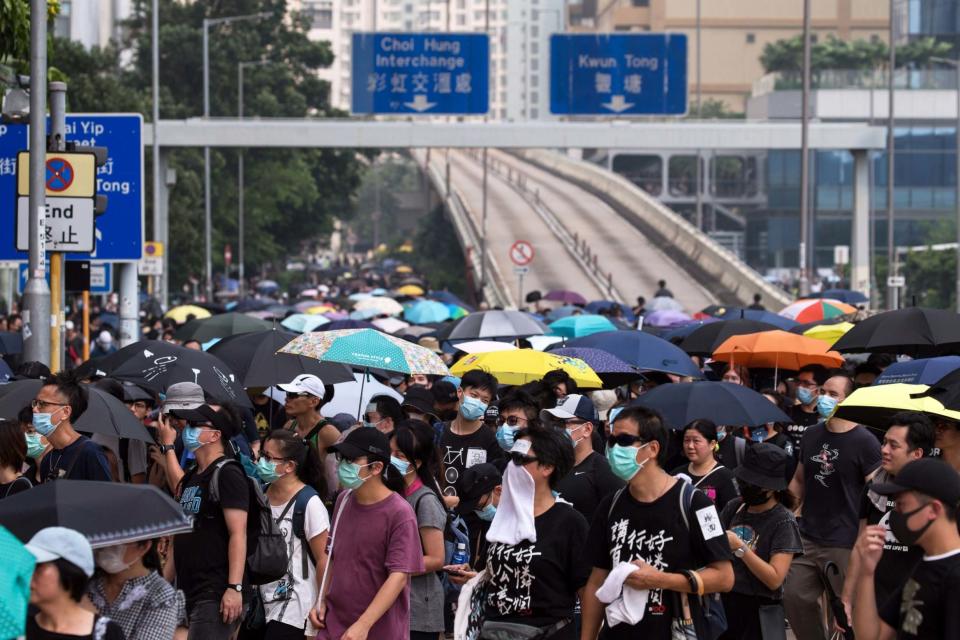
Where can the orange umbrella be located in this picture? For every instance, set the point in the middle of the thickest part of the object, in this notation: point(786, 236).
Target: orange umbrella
point(776, 350)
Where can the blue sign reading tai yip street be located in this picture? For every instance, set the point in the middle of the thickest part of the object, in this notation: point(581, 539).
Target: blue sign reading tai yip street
point(618, 74)
point(429, 73)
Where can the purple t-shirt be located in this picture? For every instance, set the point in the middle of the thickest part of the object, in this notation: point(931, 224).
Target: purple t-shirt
point(372, 541)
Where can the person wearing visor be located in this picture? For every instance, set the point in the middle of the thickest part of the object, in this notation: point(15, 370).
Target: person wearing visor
point(210, 560)
point(927, 496)
point(591, 479)
point(60, 401)
point(374, 549)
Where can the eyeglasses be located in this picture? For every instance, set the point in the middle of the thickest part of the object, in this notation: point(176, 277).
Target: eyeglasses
point(519, 459)
point(270, 458)
point(296, 394)
point(37, 403)
point(623, 439)
point(512, 421)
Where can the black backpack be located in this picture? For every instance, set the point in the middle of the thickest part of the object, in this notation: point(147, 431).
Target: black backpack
point(299, 527)
point(267, 557)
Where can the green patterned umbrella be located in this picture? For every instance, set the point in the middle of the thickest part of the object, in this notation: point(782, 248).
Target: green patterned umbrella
point(368, 349)
point(14, 585)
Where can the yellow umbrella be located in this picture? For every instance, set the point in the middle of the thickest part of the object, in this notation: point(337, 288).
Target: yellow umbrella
point(180, 314)
point(829, 333)
point(410, 290)
point(403, 269)
point(521, 366)
point(875, 405)
point(321, 308)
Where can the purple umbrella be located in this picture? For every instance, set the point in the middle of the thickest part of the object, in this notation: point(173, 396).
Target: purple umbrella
point(611, 369)
point(666, 318)
point(566, 297)
point(336, 315)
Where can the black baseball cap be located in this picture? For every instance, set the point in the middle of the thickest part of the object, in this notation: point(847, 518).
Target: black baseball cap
point(764, 465)
point(205, 414)
point(420, 400)
point(474, 483)
point(444, 392)
point(930, 476)
point(364, 442)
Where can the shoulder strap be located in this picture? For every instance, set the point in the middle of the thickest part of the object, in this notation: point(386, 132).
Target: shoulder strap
point(333, 538)
point(686, 499)
point(14, 483)
point(708, 474)
point(215, 479)
point(299, 502)
point(613, 502)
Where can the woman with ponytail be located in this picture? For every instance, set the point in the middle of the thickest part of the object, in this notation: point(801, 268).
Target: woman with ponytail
point(704, 471)
point(414, 456)
point(291, 468)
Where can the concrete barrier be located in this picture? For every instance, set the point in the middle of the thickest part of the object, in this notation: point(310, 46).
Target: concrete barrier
point(697, 253)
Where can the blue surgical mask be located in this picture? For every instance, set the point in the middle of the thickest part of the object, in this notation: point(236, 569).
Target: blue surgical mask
point(623, 461)
point(758, 434)
point(804, 395)
point(267, 470)
point(34, 446)
point(43, 423)
point(402, 465)
point(506, 435)
point(486, 514)
point(348, 473)
point(191, 438)
point(721, 434)
point(825, 406)
point(472, 409)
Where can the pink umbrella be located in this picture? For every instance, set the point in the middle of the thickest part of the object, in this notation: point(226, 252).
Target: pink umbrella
point(566, 297)
point(666, 318)
point(336, 315)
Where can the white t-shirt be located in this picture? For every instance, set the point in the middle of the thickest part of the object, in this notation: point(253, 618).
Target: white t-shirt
point(290, 599)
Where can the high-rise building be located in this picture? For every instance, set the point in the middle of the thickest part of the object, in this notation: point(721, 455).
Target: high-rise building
point(94, 24)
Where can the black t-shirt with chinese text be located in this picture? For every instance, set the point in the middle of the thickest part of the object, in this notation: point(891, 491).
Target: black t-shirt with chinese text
point(535, 583)
point(83, 459)
point(588, 483)
point(201, 556)
point(719, 484)
point(800, 421)
point(835, 467)
point(767, 533)
point(925, 607)
point(655, 533)
point(462, 452)
point(898, 560)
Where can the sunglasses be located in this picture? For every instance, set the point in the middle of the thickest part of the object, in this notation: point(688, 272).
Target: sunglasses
point(519, 459)
point(623, 439)
point(511, 421)
point(296, 394)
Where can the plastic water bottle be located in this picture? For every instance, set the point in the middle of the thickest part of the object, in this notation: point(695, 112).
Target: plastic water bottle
point(461, 556)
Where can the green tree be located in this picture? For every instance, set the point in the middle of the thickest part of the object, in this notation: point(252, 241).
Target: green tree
point(15, 29)
point(860, 55)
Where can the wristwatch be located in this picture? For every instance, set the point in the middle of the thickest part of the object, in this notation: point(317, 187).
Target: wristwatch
point(235, 587)
point(742, 551)
point(166, 447)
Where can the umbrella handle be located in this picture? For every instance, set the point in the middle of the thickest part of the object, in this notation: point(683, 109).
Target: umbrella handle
point(363, 380)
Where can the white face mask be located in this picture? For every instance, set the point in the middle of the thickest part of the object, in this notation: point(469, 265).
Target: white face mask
point(110, 559)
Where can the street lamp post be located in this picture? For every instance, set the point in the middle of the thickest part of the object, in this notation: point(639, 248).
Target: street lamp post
point(207, 215)
point(892, 291)
point(805, 157)
point(241, 236)
point(698, 176)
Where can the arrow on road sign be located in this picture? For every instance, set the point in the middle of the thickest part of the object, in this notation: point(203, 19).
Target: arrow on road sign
point(618, 104)
point(420, 103)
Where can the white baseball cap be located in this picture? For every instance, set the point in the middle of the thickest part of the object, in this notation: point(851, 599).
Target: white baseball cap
point(53, 543)
point(305, 383)
point(105, 337)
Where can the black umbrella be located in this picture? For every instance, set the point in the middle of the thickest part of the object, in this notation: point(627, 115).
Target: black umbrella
point(705, 339)
point(724, 403)
point(220, 326)
point(914, 331)
point(254, 357)
point(946, 390)
point(105, 414)
point(156, 365)
point(106, 513)
point(11, 342)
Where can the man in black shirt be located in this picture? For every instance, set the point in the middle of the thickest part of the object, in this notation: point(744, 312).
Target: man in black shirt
point(804, 414)
point(591, 480)
point(59, 402)
point(910, 437)
point(927, 494)
point(210, 561)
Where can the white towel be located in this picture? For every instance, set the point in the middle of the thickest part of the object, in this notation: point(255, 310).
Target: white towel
point(624, 603)
point(514, 520)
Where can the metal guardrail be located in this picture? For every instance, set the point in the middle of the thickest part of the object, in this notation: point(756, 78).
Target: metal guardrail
point(723, 272)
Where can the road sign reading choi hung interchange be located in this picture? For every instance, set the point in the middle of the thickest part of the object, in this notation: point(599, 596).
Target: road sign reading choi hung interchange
point(428, 73)
point(618, 74)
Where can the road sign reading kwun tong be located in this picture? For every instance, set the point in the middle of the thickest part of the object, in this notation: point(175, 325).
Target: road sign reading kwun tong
point(521, 253)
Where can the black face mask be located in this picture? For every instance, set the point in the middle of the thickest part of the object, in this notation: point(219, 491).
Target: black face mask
point(753, 495)
point(906, 535)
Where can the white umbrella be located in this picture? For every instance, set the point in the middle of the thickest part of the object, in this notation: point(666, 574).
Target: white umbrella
point(484, 346)
point(664, 303)
point(390, 325)
point(542, 342)
point(382, 305)
point(347, 396)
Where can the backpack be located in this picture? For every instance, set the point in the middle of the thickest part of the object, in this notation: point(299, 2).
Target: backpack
point(455, 532)
point(267, 558)
point(299, 526)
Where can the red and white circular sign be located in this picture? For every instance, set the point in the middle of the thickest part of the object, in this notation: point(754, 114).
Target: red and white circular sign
point(521, 253)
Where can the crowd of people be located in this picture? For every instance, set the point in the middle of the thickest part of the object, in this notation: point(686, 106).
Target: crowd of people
point(474, 509)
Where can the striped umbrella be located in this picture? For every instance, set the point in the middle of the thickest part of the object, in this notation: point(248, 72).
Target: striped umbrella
point(816, 309)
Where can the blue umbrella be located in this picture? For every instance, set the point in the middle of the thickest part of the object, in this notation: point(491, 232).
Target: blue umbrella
point(598, 306)
point(611, 369)
point(734, 313)
point(449, 298)
point(843, 295)
point(644, 351)
point(920, 371)
point(5, 372)
point(724, 403)
point(364, 314)
point(302, 322)
point(426, 311)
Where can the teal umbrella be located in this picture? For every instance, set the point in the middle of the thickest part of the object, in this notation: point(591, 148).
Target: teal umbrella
point(14, 585)
point(367, 348)
point(582, 325)
point(425, 311)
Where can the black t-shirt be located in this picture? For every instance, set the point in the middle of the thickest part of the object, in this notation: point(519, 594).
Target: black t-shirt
point(269, 417)
point(201, 556)
point(588, 483)
point(727, 451)
point(800, 420)
point(655, 532)
point(770, 532)
point(898, 560)
point(835, 467)
point(83, 459)
point(16, 486)
point(719, 484)
point(536, 582)
point(782, 441)
point(110, 631)
point(462, 452)
point(925, 607)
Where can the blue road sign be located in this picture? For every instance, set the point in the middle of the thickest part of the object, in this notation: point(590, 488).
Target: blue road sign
point(119, 231)
point(618, 74)
point(101, 277)
point(428, 73)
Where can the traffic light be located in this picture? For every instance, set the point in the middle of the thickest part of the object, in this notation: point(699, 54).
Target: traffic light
point(101, 154)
